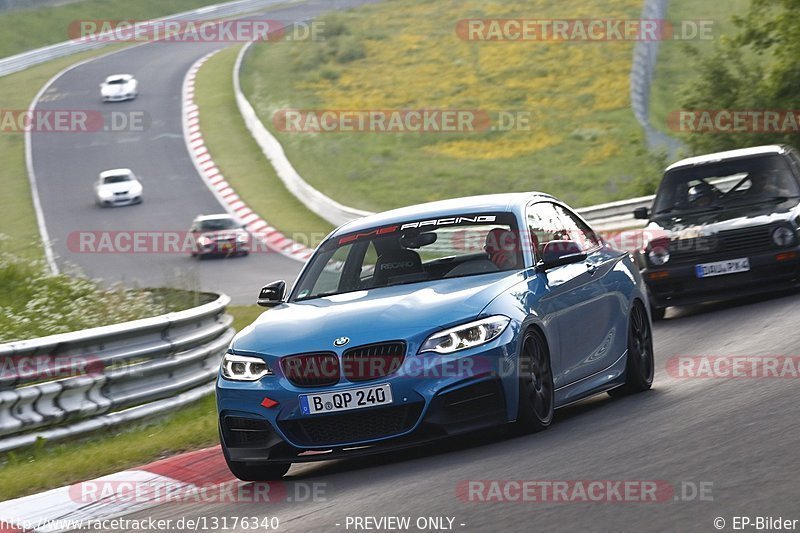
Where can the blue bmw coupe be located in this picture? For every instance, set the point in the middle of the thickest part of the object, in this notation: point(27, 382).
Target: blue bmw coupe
point(431, 321)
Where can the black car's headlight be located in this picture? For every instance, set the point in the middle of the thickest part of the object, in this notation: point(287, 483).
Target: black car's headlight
point(784, 236)
point(466, 335)
point(658, 252)
point(244, 367)
point(658, 256)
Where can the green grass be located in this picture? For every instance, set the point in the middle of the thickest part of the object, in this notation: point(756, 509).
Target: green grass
point(22, 30)
point(36, 303)
point(584, 147)
point(676, 66)
point(46, 466)
point(239, 158)
point(244, 315)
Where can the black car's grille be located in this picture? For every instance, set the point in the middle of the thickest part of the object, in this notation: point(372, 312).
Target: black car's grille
point(373, 361)
point(324, 430)
point(311, 369)
point(244, 432)
point(732, 241)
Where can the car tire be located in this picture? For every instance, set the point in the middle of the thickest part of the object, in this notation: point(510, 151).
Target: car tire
point(536, 395)
point(257, 472)
point(640, 364)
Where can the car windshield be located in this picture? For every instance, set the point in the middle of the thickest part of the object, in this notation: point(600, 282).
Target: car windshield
point(116, 81)
point(217, 224)
point(724, 184)
point(118, 178)
point(412, 252)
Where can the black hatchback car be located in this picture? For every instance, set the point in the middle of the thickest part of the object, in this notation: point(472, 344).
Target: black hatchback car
point(724, 225)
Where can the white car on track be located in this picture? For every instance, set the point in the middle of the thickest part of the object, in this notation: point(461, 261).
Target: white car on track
point(118, 187)
point(119, 87)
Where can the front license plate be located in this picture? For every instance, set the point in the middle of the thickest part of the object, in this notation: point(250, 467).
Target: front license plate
point(345, 400)
point(720, 268)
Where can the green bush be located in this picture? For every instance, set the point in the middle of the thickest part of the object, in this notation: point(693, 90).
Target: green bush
point(35, 303)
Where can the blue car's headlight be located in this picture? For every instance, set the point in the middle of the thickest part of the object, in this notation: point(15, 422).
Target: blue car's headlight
point(244, 368)
point(466, 335)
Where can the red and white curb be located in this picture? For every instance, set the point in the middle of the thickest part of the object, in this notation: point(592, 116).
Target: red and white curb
point(216, 182)
point(195, 477)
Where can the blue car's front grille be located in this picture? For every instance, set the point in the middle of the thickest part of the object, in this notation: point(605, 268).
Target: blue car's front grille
point(311, 369)
point(322, 430)
point(373, 361)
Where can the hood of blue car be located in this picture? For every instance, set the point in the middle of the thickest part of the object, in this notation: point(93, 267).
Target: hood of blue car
point(389, 313)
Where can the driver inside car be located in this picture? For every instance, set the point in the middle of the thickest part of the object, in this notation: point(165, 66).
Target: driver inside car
point(502, 246)
point(701, 195)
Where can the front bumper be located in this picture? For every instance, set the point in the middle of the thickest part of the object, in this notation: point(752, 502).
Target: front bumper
point(223, 248)
point(446, 401)
point(475, 406)
point(119, 201)
point(679, 285)
point(119, 98)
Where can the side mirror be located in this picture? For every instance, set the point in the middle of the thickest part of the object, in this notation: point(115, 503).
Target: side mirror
point(558, 253)
point(641, 213)
point(272, 294)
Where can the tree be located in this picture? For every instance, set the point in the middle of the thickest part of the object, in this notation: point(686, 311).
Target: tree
point(757, 69)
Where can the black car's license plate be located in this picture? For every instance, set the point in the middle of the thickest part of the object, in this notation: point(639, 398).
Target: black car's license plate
point(720, 268)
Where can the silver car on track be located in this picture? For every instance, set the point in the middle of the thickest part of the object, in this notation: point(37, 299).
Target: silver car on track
point(119, 186)
point(119, 87)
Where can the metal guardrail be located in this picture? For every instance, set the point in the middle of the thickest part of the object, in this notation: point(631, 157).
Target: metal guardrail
point(645, 54)
point(109, 375)
point(30, 58)
point(615, 216)
point(325, 206)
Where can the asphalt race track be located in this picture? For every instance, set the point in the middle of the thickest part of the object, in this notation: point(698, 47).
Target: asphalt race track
point(67, 164)
point(740, 435)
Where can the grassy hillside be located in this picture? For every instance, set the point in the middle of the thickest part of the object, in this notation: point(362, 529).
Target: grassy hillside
point(583, 143)
point(22, 30)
